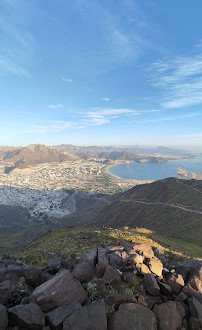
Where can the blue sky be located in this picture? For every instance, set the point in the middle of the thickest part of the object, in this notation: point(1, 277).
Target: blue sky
point(104, 72)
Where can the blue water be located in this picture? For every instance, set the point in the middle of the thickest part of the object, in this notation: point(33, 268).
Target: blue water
point(157, 171)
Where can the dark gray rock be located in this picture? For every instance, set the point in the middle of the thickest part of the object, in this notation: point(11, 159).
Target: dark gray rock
point(133, 316)
point(55, 262)
point(5, 292)
point(2, 273)
point(3, 317)
point(119, 299)
point(56, 317)
point(92, 317)
point(183, 270)
point(61, 290)
point(165, 288)
point(195, 307)
point(111, 276)
point(91, 257)
point(83, 272)
point(102, 262)
point(115, 259)
point(32, 275)
point(193, 285)
point(13, 272)
point(167, 315)
point(150, 285)
point(181, 297)
point(26, 316)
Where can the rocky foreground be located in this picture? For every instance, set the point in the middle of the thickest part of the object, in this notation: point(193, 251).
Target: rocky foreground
point(112, 287)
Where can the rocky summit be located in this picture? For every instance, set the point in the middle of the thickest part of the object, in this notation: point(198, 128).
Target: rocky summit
point(112, 287)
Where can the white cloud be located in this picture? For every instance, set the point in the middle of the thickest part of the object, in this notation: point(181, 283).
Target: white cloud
point(54, 127)
point(181, 78)
point(66, 80)
point(56, 106)
point(106, 99)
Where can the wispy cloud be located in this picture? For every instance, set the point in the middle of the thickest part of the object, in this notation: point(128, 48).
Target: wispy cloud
point(104, 116)
point(94, 117)
point(157, 120)
point(54, 127)
point(56, 106)
point(106, 99)
point(66, 80)
point(181, 79)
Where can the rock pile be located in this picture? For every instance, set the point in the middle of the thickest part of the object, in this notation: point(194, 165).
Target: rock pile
point(83, 294)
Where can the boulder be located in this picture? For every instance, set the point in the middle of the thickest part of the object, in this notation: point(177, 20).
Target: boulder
point(5, 292)
point(195, 307)
point(13, 272)
point(167, 315)
point(195, 323)
point(102, 262)
point(92, 317)
point(150, 285)
point(56, 317)
point(137, 258)
point(142, 301)
point(115, 259)
point(129, 277)
point(143, 269)
point(91, 257)
point(100, 286)
point(156, 266)
point(165, 288)
point(175, 281)
point(83, 272)
point(3, 317)
point(182, 270)
point(193, 285)
point(2, 273)
point(181, 296)
point(32, 275)
point(119, 299)
point(61, 290)
point(133, 316)
point(26, 316)
point(142, 249)
point(55, 263)
point(111, 275)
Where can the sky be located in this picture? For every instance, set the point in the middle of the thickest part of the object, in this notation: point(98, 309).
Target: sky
point(105, 72)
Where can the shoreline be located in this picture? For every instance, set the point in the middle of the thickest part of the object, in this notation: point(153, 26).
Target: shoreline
point(133, 182)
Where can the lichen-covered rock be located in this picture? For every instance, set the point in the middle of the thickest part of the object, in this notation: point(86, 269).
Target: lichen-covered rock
point(133, 316)
point(61, 290)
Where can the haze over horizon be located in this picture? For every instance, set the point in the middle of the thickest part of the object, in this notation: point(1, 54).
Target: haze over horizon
point(89, 72)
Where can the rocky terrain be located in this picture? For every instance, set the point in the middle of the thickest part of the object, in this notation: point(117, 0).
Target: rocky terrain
point(112, 287)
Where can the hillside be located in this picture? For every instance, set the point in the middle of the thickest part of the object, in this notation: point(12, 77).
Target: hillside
point(170, 207)
point(36, 154)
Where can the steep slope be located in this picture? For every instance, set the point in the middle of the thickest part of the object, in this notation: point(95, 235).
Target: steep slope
point(170, 207)
point(37, 154)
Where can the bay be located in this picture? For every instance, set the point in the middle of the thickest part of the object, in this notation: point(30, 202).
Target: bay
point(156, 171)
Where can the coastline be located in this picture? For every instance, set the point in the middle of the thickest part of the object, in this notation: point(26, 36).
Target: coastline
point(132, 182)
